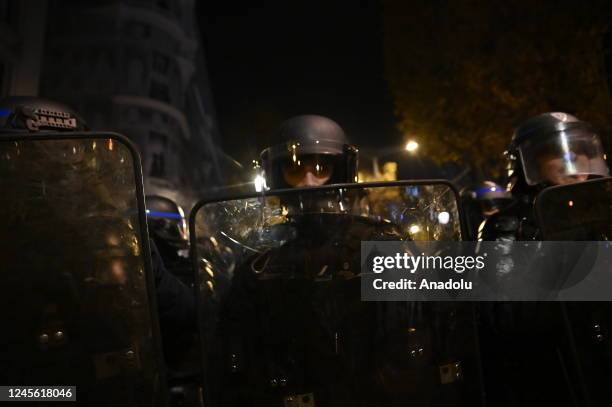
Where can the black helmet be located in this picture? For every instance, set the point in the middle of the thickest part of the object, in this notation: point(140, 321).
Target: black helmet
point(32, 114)
point(492, 197)
point(552, 149)
point(309, 151)
point(166, 220)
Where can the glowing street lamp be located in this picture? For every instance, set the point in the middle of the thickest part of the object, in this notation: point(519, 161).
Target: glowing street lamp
point(411, 146)
point(376, 154)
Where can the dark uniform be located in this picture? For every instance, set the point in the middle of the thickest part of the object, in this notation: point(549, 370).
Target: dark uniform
point(529, 348)
point(173, 272)
point(169, 239)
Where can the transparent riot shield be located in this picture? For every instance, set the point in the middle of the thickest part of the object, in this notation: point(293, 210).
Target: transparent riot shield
point(281, 317)
point(75, 269)
point(580, 211)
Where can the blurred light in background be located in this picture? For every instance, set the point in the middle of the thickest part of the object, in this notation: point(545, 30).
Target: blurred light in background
point(260, 183)
point(443, 218)
point(412, 146)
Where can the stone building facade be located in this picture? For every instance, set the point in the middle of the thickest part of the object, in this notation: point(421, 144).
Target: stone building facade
point(136, 67)
point(22, 29)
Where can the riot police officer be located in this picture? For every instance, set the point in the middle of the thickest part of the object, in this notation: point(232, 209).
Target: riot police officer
point(289, 326)
point(548, 149)
point(175, 301)
point(482, 202)
point(168, 229)
point(530, 356)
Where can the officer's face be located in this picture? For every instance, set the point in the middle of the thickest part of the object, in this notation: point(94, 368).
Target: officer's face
point(308, 171)
point(555, 170)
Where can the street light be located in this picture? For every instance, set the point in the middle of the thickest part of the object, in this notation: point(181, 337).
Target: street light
point(411, 146)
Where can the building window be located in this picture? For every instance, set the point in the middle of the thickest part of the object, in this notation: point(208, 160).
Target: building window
point(158, 165)
point(160, 63)
point(139, 30)
point(158, 144)
point(135, 82)
point(160, 91)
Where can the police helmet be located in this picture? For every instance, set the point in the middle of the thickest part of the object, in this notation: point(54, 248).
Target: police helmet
point(166, 220)
point(492, 197)
point(310, 150)
point(554, 149)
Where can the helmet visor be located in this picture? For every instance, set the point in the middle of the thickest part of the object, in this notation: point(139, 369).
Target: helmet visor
point(308, 170)
point(294, 165)
point(562, 158)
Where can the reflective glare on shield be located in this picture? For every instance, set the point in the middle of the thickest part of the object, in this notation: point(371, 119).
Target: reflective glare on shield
point(280, 309)
point(72, 283)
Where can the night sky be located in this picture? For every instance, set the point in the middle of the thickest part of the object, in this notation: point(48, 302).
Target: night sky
point(271, 62)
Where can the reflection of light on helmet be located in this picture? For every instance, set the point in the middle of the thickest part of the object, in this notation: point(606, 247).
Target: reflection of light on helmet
point(184, 231)
point(564, 117)
point(571, 168)
point(110, 144)
point(569, 156)
point(294, 156)
point(443, 218)
point(93, 145)
point(414, 229)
